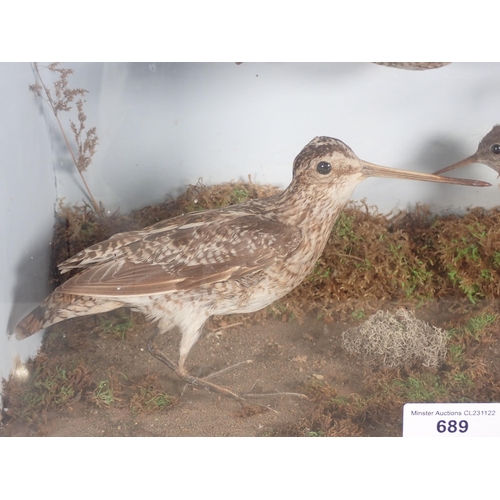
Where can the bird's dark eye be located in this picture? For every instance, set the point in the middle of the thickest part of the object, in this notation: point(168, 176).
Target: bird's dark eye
point(495, 149)
point(323, 167)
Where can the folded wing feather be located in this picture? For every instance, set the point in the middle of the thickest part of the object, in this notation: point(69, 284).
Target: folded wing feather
point(180, 254)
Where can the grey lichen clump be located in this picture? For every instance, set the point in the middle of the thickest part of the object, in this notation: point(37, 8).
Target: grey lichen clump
point(396, 339)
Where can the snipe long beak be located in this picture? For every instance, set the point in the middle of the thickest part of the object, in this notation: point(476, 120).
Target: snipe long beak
point(462, 163)
point(372, 170)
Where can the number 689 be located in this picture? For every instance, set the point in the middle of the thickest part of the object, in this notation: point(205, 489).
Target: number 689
point(452, 426)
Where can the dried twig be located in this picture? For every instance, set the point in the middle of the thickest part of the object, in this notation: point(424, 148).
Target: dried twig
point(60, 102)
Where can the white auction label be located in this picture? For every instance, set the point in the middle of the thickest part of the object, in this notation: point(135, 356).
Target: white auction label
point(451, 419)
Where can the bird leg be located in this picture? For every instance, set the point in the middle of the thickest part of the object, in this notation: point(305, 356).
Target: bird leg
point(181, 372)
point(186, 377)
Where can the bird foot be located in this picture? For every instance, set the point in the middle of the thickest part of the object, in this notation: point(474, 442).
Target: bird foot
point(219, 372)
point(255, 395)
point(241, 398)
point(190, 379)
point(205, 384)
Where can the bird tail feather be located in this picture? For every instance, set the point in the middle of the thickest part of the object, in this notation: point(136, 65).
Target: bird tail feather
point(60, 307)
point(30, 324)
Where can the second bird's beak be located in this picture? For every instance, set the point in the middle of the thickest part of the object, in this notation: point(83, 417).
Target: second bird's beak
point(372, 170)
point(462, 163)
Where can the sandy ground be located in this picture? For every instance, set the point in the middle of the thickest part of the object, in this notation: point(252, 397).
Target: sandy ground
point(285, 357)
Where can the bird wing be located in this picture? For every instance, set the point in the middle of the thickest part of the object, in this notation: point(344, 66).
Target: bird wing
point(180, 254)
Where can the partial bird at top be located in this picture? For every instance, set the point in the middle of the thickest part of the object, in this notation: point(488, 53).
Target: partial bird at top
point(488, 153)
point(414, 66)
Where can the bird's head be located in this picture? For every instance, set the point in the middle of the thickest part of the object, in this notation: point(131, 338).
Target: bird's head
point(329, 161)
point(488, 153)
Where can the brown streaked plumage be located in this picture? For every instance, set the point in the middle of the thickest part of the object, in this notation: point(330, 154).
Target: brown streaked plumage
point(488, 153)
point(232, 260)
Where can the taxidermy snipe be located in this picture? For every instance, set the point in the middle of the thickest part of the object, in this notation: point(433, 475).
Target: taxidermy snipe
point(488, 153)
point(237, 259)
